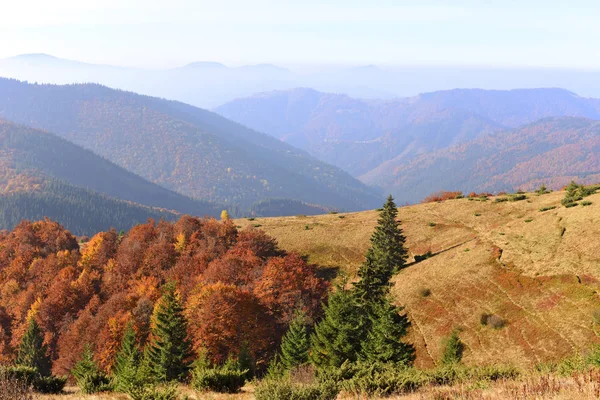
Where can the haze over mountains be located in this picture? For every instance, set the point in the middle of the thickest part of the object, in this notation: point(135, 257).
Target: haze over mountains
point(292, 151)
point(209, 84)
point(391, 144)
point(182, 148)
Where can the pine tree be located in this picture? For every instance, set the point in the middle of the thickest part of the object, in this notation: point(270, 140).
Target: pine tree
point(384, 339)
point(88, 375)
point(33, 352)
point(453, 349)
point(125, 370)
point(295, 343)
point(170, 349)
point(386, 257)
point(337, 336)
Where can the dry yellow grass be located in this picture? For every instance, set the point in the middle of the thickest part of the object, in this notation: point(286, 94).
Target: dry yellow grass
point(539, 271)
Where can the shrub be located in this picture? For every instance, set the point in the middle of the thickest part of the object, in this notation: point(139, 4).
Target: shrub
point(577, 192)
point(421, 257)
point(517, 197)
point(453, 349)
point(569, 205)
point(257, 225)
point(50, 384)
point(88, 376)
point(501, 199)
point(341, 216)
point(586, 203)
point(285, 389)
point(477, 214)
point(219, 379)
point(30, 377)
point(251, 219)
point(441, 196)
point(547, 208)
point(94, 382)
point(333, 212)
point(424, 292)
point(528, 220)
point(457, 373)
point(542, 190)
point(431, 224)
point(377, 379)
point(12, 388)
point(492, 320)
point(151, 392)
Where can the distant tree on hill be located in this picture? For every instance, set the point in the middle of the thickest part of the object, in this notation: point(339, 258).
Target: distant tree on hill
point(224, 215)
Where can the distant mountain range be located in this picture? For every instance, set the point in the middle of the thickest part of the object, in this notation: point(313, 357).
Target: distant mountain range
point(191, 151)
point(378, 140)
point(552, 151)
point(209, 83)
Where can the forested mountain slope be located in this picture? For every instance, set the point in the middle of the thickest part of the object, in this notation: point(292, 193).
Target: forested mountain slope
point(82, 211)
point(358, 135)
point(552, 151)
point(43, 154)
point(186, 149)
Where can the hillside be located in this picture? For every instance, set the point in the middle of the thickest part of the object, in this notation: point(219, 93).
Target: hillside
point(359, 135)
point(552, 151)
point(42, 154)
point(82, 211)
point(535, 270)
point(186, 149)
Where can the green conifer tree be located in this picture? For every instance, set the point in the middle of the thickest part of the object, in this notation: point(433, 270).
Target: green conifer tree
point(295, 343)
point(88, 375)
point(383, 342)
point(386, 257)
point(33, 352)
point(170, 349)
point(453, 349)
point(337, 337)
point(125, 369)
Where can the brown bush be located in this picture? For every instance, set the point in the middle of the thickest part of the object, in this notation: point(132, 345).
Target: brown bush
point(441, 196)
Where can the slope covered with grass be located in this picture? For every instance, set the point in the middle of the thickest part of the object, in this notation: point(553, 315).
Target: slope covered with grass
point(521, 284)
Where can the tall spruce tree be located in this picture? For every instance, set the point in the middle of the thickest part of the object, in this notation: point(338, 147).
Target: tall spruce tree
point(337, 337)
point(386, 257)
point(170, 350)
point(295, 343)
point(33, 352)
point(383, 342)
point(125, 369)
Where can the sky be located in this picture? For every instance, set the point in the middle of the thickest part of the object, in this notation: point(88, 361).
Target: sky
point(162, 34)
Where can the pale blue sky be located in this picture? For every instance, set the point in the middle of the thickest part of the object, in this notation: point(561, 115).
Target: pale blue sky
point(157, 34)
